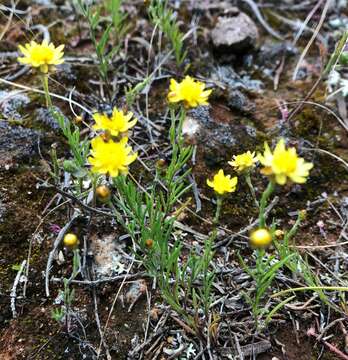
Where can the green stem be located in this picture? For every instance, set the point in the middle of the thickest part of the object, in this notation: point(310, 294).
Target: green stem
point(182, 116)
point(213, 235)
point(177, 143)
point(251, 187)
point(260, 253)
point(218, 210)
point(335, 56)
point(55, 164)
point(312, 288)
point(94, 180)
point(264, 200)
point(293, 230)
point(260, 270)
point(44, 79)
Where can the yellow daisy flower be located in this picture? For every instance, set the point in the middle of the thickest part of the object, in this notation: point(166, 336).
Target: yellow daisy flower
point(243, 161)
point(41, 56)
point(111, 157)
point(283, 164)
point(222, 183)
point(191, 92)
point(119, 122)
point(260, 238)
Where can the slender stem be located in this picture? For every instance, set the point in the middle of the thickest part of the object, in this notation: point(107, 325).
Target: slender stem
point(251, 187)
point(55, 164)
point(182, 116)
point(260, 270)
point(213, 235)
point(311, 288)
point(94, 180)
point(44, 79)
point(208, 256)
point(293, 230)
point(218, 210)
point(335, 56)
point(177, 143)
point(260, 253)
point(263, 204)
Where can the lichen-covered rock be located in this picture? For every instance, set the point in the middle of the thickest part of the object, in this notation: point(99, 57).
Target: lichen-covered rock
point(44, 118)
point(235, 33)
point(17, 145)
point(107, 257)
point(232, 80)
point(216, 135)
point(11, 102)
point(238, 101)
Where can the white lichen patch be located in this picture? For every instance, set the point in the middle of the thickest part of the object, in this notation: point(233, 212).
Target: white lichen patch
point(190, 127)
point(107, 258)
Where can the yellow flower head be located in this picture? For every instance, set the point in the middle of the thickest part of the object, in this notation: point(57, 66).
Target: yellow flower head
point(243, 161)
point(119, 122)
point(260, 238)
point(41, 55)
point(111, 157)
point(283, 164)
point(222, 183)
point(191, 92)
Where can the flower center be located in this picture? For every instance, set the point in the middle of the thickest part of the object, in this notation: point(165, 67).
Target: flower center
point(42, 55)
point(285, 162)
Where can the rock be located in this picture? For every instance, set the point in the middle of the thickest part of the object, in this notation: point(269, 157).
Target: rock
point(238, 101)
point(233, 80)
point(216, 135)
point(235, 33)
point(43, 117)
point(136, 290)
point(17, 144)
point(11, 102)
point(66, 73)
point(270, 55)
point(107, 258)
point(238, 87)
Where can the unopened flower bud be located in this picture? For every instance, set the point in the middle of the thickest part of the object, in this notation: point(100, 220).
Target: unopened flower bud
point(160, 163)
point(78, 119)
point(303, 214)
point(103, 193)
point(344, 58)
point(106, 136)
point(279, 233)
point(149, 243)
point(71, 240)
point(260, 238)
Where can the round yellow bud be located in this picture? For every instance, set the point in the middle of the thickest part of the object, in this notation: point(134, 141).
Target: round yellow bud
point(106, 136)
point(279, 233)
point(103, 192)
point(160, 163)
point(303, 214)
point(149, 243)
point(70, 240)
point(260, 238)
point(78, 119)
